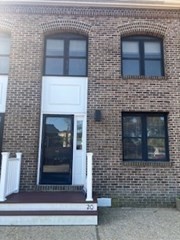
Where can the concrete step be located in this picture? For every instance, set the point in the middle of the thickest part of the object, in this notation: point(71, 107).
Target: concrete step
point(48, 208)
point(23, 218)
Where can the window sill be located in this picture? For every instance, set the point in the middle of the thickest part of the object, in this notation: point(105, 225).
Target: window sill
point(144, 77)
point(145, 164)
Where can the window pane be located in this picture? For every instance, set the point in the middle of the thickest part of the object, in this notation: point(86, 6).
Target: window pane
point(131, 67)
point(79, 134)
point(153, 68)
point(77, 48)
point(77, 67)
point(4, 65)
point(4, 44)
point(132, 149)
point(156, 148)
point(155, 127)
point(54, 47)
point(130, 49)
point(54, 66)
point(132, 126)
point(152, 49)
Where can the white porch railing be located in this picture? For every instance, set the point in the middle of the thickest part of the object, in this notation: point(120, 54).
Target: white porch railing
point(10, 175)
point(88, 184)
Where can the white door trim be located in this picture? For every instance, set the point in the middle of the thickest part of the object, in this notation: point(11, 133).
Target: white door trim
point(53, 104)
point(79, 155)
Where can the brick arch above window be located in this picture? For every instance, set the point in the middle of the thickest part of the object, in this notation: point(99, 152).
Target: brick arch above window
point(6, 26)
point(142, 28)
point(66, 26)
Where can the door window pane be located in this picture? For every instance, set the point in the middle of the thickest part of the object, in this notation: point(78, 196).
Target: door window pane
point(77, 67)
point(79, 134)
point(57, 150)
point(54, 47)
point(77, 48)
point(54, 66)
point(130, 49)
point(152, 68)
point(131, 67)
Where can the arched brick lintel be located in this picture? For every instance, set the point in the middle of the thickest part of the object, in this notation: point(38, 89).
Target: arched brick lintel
point(6, 26)
point(66, 25)
point(140, 27)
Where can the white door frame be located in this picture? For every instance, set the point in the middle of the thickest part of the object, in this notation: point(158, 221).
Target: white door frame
point(79, 156)
point(71, 101)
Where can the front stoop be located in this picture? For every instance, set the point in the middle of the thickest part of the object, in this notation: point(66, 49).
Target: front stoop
point(48, 208)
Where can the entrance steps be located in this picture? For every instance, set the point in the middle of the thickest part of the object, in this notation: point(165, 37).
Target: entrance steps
point(48, 208)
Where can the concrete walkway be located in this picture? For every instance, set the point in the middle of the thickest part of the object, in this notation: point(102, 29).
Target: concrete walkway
point(114, 224)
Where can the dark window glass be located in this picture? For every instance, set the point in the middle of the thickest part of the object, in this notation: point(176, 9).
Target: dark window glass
point(54, 47)
point(131, 67)
point(142, 56)
point(145, 136)
point(77, 48)
point(77, 67)
point(54, 66)
point(4, 53)
point(66, 55)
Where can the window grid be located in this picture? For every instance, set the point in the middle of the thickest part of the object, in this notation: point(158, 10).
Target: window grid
point(66, 56)
point(144, 138)
point(141, 40)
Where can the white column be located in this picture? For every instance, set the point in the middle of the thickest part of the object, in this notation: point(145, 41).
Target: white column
point(89, 177)
point(18, 156)
point(3, 181)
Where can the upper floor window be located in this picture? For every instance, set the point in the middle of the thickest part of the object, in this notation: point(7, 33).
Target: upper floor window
point(4, 53)
point(142, 56)
point(145, 137)
point(66, 55)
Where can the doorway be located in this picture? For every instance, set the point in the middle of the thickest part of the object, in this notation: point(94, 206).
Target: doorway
point(57, 149)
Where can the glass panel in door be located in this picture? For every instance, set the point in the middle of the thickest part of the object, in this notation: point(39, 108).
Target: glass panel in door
point(57, 149)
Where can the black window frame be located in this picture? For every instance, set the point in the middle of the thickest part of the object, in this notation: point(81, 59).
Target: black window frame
point(66, 37)
point(144, 136)
point(141, 39)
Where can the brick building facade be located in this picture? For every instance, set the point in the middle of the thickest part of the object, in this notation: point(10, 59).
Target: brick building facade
point(128, 181)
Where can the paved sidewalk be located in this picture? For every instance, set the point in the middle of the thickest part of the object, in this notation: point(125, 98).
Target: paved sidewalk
point(114, 224)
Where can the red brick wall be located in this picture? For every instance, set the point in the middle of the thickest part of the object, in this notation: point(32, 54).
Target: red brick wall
point(127, 183)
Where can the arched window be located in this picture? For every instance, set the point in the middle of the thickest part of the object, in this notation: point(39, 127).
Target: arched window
point(4, 53)
point(65, 55)
point(142, 56)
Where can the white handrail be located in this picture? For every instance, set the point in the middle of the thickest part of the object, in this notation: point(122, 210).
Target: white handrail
point(89, 177)
point(10, 175)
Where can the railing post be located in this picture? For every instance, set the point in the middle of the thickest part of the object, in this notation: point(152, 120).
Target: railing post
point(18, 156)
point(3, 180)
point(89, 177)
